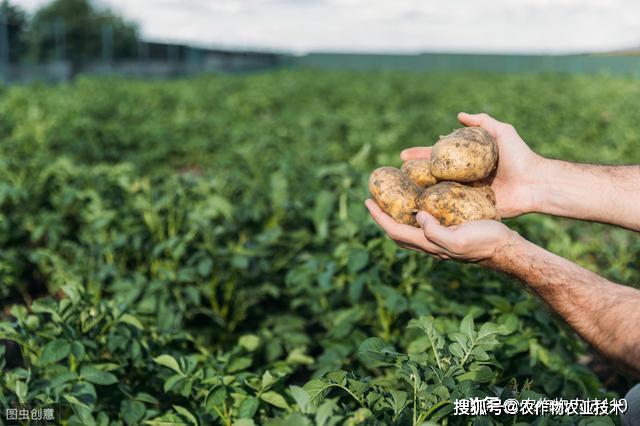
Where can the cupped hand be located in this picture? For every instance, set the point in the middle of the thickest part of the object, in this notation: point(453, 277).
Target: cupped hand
point(476, 241)
point(514, 179)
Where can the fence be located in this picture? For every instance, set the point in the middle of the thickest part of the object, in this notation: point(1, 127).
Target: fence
point(211, 62)
point(475, 62)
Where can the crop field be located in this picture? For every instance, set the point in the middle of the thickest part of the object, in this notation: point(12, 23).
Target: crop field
point(198, 252)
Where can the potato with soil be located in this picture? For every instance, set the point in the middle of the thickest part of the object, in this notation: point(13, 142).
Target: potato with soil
point(419, 171)
point(395, 193)
point(483, 185)
point(466, 155)
point(453, 203)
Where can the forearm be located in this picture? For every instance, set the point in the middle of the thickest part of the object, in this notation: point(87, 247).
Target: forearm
point(605, 314)
point(608, 194)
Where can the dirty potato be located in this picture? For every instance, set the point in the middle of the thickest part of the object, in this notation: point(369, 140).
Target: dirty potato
point(466, 155)
point(483, 185)
point(395, 193)
point(419, 171)
point(453, 203)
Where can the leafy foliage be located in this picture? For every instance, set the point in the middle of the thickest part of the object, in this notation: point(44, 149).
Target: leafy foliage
point(197, 252)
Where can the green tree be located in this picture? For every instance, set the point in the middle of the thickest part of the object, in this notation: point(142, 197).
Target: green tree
point(75, 30)
point(16, 21)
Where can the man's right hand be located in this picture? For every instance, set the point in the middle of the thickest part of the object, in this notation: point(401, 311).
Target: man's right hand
point(514, 180)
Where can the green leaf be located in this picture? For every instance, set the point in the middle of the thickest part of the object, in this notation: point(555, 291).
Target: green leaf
point(316, 389)
point(131, 320)
point(21, 390)
point(239, 364)
point(480, 354)
point(55, 351)
point(132, 411)
point(358, 259)
point(248, 407)
point(322, 210)
point(172, 381)
point(216, 396)
point(467, 327)
point(250, 342)
point(77, 349)
point(98, 377)
point(489, 329)
point(169, 362)
point(276, 399)
point(324, 412)
point(301, 397)
point(186, 414)
point(75, 401)
point(399, 400)
point(205, 266)
point(480, 374)
point(267, 380)
point(357, 387)
point(297, 356)
point(460, 338)
point(145, 397)
point(456, 350)
point(501, 303)
point(338, 377)
point(376, 352)
point(419, 345)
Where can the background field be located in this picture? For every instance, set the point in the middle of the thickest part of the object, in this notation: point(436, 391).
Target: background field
point(219, 221)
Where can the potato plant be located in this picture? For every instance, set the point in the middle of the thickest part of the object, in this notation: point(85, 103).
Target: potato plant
point(196, 251)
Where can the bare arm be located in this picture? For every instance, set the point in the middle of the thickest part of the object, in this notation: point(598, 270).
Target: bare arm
point(608, 194)
point(605, 314)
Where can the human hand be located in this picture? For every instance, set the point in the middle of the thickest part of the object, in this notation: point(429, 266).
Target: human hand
point(479, 241)
point(513, 181)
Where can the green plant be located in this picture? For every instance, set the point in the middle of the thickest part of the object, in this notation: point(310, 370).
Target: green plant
point(197, 250)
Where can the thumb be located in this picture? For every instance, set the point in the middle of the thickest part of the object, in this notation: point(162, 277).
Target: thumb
point(469, 119)
point(432, 229)
point(482, 119)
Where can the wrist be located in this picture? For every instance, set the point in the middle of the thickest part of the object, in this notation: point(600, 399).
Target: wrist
point(504, 253)
point(540, 184)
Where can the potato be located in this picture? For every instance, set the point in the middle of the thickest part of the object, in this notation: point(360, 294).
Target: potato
point(466, 155)
point(419, 171)
point(395, 193)
point(483, 185)
point(453, 203)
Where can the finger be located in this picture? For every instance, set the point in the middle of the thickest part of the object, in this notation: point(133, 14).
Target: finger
point(395, 230)
point(399, 232)
point(417, 153)
point(433, 231)
point(483, 120)
point(436, 254)
point(409, 246)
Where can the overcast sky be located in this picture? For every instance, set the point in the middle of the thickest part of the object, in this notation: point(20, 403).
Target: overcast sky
point(543, 26)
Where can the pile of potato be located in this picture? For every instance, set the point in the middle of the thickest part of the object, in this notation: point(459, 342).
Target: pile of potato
point(451, 186)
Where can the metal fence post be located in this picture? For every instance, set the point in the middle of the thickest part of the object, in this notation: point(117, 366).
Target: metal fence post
point(60, 40)
point(143, 50)
point(107, 43)
point(4, 46)
point(172, 53)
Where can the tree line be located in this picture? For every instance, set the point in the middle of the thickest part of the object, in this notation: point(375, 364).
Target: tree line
point(78, 31)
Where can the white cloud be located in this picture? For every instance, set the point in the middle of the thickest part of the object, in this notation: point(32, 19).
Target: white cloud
point(552, 26)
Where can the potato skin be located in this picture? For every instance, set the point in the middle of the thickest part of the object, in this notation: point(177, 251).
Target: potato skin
point(483, 185)
point(466, 155)
point(419, 171)
point(395, 193)
point(453, 203)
